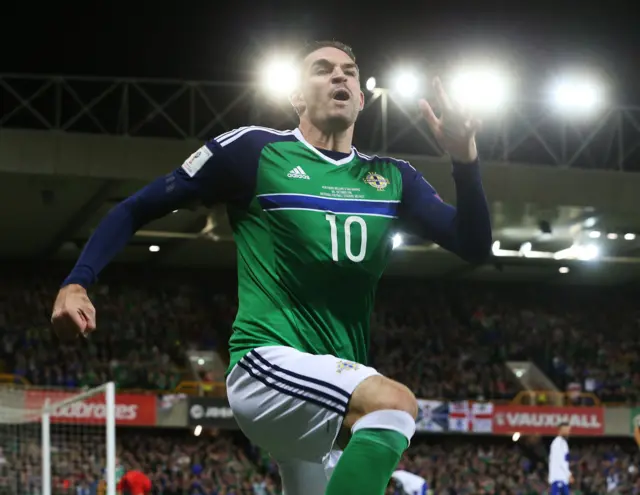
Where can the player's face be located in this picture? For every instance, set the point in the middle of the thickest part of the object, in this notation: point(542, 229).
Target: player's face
point(329, 94)
point(565, 431)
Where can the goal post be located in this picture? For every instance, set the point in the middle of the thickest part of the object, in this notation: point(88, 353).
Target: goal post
point(54, 441)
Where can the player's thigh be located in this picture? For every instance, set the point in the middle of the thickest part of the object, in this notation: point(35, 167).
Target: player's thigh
point(292, 403)
point(302, 477)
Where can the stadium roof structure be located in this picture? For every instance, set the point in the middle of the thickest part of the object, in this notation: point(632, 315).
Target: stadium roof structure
point(71, 148)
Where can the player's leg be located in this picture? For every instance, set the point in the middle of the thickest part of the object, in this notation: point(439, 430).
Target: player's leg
point(381, 418)
point(292, 404)
point(559, 488)
point(302, 477)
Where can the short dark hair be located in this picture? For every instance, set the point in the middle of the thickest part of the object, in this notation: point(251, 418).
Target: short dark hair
point(317, 45)
point(564, 423)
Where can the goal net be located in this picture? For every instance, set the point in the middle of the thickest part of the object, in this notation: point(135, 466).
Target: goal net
point(55, 442)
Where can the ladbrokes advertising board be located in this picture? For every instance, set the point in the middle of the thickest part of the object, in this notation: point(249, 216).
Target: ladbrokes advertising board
point(131, 409)
point(544, 420)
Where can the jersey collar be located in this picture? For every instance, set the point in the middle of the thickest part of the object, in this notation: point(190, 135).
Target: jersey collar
point(342, 161)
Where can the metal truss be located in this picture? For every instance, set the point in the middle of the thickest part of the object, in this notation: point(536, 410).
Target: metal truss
point(530, 133)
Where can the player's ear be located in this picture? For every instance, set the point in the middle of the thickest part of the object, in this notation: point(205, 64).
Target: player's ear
point(297, 101)
point(361, 101)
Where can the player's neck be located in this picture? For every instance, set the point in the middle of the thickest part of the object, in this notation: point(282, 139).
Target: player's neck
point(338, 141)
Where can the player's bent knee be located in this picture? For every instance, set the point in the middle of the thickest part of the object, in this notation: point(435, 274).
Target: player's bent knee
point(381, 403)
point(378, 393)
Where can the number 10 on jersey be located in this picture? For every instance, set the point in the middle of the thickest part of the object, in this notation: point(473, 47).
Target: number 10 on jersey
point(350, 223)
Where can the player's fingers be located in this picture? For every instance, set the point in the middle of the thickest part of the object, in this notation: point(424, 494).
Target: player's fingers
point(428, 114)
point(90, 320)
point(63, 318)
point(68, 324)
point(443, 98)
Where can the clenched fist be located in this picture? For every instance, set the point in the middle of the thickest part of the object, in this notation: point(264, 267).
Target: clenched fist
point(73, 313)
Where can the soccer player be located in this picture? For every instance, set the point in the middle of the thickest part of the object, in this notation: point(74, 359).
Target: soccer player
point(559, 474)
point(312, 219)
point(411, 484)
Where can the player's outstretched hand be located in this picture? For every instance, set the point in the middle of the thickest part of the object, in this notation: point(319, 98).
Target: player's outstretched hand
point(455, 130)
point(73, 313)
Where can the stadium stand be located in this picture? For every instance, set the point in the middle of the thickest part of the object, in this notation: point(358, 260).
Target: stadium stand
point(223, 463)
point(464, 335)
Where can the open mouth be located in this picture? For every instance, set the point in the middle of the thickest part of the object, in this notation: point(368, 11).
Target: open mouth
point(341, 95)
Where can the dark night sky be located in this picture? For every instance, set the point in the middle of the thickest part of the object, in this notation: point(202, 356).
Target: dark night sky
point(219, 40)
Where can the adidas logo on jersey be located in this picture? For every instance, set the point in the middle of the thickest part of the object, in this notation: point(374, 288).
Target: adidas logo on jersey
point(298, 173)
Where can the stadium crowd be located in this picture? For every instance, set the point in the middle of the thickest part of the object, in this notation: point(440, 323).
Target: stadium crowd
point(224, 463)
point(443, 341)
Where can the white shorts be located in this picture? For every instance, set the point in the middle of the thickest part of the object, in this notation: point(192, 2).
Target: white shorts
point(292, 403)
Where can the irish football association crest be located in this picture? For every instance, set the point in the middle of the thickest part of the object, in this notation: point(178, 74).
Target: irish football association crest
point(377, 181)
point(344, 365)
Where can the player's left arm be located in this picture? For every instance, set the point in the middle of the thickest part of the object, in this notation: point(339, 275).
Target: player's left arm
point(464, 229)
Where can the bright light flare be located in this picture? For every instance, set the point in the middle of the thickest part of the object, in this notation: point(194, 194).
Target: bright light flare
point(629, 236)
point(406, 84)
point(197, 430)
point(280, 77)
point(396, 241)
point(371, 84)
point(154, 248)
point(587, 253)
point(578, 95)
point(516, 436)
point(526, 249)
point(484, 90)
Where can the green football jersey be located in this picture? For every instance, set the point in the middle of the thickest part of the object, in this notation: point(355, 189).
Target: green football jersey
point(313, 231)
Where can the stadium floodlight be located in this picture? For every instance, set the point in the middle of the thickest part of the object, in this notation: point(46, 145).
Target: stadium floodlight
point(581, 252)
point(396, 241)
point(481, 89)
point(371, 84)
point(578, 95)
point(563, 269)
point(612, 236)
point(525, 249)
point(406, 84)
point(279, 77)
point(587, 253)
point(595, 234)
point(629, 236)
point(154, 249)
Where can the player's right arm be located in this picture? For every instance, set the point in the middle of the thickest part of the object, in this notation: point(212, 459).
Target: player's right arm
point(207, 176)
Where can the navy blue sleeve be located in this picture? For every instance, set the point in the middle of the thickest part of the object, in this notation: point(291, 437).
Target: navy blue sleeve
point(465, 229)
point(223, 170)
